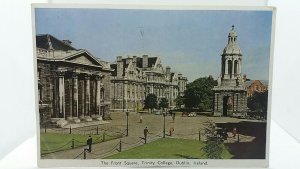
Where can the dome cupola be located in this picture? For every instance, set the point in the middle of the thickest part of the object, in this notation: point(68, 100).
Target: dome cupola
point(232, 48)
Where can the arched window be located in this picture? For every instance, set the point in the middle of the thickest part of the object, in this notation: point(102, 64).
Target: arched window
point(235, 66)
point(230, 67)
point(223, 66)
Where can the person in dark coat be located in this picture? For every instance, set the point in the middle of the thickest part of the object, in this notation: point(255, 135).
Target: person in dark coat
point(89, 142)
point(173, 116)
point(146, 131)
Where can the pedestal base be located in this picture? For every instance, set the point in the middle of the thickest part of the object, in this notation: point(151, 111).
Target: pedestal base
point(88, 118)
point(61, 122)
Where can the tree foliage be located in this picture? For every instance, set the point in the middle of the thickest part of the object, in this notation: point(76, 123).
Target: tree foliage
point(179, 101)
point(163, 103)
point(212, 147)
point(213, 150)
point(199, 94)
point(258, 102)
point(151, 101)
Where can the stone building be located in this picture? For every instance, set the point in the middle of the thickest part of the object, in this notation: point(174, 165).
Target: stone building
point(72, 83)
point(230, 96)
point(256, 86)
point(182, 84)
point(135, 77)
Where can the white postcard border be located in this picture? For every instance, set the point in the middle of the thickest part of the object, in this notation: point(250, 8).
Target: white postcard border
point(236, 163)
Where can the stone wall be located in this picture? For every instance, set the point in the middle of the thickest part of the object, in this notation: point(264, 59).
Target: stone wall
point(237, 99)
point(45, 89)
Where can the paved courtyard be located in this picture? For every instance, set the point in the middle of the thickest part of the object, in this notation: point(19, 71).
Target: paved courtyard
point(184, 127)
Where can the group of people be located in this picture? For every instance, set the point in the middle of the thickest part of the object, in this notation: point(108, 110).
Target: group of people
point(223, 133)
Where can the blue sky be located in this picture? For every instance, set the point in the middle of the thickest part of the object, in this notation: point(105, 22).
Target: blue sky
point(189, 41)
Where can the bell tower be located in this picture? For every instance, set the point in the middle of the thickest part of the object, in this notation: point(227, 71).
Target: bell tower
point(231, 61)
point(230, 94)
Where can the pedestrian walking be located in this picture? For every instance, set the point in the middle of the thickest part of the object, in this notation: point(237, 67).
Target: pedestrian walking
point(141, 118)
point(173, 116)
point(171, 130)
point(146, 131)
point(234, 132)
point(89, 142)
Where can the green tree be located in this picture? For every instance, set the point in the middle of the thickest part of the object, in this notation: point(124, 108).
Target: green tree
point(212, 147)
point(163, 103)
point(199, 94)
point(150, 102)
point(179, 101)
point(258, 102)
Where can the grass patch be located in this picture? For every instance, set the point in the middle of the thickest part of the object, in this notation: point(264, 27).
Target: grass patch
point(53, 142)
point(169, 148)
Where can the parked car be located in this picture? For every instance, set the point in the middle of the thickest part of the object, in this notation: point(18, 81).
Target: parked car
point(158, 113)
point(184, 114)
point(192, 114)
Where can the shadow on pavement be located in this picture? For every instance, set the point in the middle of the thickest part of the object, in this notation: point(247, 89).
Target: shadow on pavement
point(247, 150)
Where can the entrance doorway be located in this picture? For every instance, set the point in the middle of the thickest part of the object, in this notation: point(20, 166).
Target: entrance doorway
point(225, 105)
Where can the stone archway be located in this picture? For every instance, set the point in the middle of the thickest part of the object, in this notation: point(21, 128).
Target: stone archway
point(225, 106)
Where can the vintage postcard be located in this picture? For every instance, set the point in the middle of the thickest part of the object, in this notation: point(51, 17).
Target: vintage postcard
point(153, 86)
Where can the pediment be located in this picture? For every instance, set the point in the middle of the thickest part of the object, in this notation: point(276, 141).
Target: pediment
point(83, 58)
point(159, 68)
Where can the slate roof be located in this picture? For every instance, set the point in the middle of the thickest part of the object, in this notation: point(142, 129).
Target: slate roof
point(151, 62)
point(49, 42)
point(114, 66)
point(139, 64)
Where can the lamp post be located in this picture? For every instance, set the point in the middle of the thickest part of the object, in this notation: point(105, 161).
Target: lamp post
point(127, 113)
point(164, 132)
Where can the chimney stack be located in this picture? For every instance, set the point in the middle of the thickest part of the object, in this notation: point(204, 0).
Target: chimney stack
point(119, 66)
point(168, 71)
point(145, 61)
point(134, 61)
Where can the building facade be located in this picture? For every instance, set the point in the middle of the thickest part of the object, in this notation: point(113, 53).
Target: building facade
point(136, 77)
point(256, 86)
point(230, 96)
point(72, 83)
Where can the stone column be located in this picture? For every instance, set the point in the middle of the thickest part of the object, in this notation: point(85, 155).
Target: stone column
point(75, 94)
point(98, 90)
point(232, 67)
point(61, 91)
point(152, 89)
point(87, 95)
point(171, 95)
point(226, 66)
point(233, 102)
point(135, 92)
point(240, 66)
point(70, 99)
point(82, 99)
point(237, 102)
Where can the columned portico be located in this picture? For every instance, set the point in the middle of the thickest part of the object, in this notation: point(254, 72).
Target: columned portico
point(70, 82)
point(85, 106)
